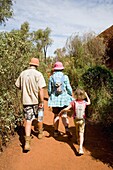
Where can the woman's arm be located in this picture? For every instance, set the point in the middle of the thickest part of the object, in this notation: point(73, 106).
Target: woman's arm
point(68, 86)
point(49, 87)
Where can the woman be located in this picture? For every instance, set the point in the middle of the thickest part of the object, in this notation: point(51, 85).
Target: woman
point(60, 95)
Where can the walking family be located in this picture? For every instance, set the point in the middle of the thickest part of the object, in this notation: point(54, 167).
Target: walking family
point(32, 84)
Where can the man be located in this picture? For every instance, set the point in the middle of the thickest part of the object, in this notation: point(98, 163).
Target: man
point(31, 83)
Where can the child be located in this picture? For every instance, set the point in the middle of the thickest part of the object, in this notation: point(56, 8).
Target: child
point(78, 106)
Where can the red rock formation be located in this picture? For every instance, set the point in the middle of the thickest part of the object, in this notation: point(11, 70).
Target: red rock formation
point(108, 39)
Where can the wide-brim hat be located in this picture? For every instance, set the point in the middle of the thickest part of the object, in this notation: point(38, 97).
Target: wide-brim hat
point(34, 62)
point(58, 66)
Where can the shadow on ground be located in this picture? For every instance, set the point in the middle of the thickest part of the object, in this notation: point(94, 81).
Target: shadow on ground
point(21, 133)
point(62, 138)
point(98, 143)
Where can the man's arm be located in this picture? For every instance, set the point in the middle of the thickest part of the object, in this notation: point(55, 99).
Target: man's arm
point(41, 85)
point(41, 97)
point(18, 83)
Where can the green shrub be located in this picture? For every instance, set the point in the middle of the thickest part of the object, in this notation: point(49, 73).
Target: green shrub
point(98, 82)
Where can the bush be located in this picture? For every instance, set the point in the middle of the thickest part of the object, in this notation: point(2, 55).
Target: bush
point(98, 82)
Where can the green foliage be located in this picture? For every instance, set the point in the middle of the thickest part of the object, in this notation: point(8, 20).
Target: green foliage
point(86, 51)
point(98, 81)
point(98, 76)
point(5, 10)
point(8, 124)
point(43, 41)
point(16, 49)
point(84, 62)
point(83, 52)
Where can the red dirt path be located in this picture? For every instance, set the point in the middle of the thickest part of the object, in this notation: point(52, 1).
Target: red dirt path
point(61, 153)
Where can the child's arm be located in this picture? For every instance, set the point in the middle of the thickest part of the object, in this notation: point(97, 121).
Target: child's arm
point(88, 99)
point(65, 110)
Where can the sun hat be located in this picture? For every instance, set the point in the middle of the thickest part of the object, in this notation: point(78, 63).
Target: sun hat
point(58, 66)
point(34, 61)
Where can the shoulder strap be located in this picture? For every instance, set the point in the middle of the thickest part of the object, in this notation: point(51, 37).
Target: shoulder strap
point(54, 76)
point(62, 79)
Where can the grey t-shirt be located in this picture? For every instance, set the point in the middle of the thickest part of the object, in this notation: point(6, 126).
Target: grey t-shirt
point(30, 81)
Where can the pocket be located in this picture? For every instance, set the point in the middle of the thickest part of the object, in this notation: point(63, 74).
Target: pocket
point(35, 109)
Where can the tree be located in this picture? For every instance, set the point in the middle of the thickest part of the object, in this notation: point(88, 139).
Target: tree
point(5, 10)
point(60, 53)
point(43, 41)
point(16, 49)
point(85, 52)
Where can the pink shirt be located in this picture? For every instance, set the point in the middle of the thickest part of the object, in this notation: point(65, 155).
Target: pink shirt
point(73, 104)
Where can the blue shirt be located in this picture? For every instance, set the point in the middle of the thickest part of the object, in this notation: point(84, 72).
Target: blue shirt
point(63, 99)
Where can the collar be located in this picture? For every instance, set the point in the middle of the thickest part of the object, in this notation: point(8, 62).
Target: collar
point(32, 67)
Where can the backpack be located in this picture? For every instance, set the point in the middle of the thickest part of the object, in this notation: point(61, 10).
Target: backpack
point(80, 109)
point(58, 86)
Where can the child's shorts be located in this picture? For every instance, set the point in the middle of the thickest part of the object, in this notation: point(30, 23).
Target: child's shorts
point(31, 112)
point(80, 125)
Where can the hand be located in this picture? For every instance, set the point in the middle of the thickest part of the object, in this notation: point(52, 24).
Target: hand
point(41, 105)
point(85, 94)
point(60, 113)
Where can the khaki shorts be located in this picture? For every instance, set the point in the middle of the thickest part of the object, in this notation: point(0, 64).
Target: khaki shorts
point(80, 125)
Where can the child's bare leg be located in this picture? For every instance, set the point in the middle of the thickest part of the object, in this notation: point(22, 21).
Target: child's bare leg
point(77, 133)
point(81, 134)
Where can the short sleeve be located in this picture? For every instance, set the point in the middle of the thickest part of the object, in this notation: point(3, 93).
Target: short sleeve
point(68, 86)
point(41, 81)
point(18, 82)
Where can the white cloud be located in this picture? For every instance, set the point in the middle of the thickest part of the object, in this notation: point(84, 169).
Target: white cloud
point(63, 17)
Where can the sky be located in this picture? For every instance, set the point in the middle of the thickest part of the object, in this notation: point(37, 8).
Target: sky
point(63, 17)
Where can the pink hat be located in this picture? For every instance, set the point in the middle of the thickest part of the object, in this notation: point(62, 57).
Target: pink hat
point(58, 66)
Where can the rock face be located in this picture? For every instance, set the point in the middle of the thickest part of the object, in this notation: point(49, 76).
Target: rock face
point(108, 39)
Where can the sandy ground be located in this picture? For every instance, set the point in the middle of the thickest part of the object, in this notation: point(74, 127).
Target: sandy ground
point(61, 153)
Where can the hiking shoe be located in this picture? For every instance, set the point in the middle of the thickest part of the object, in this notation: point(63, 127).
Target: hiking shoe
point(80, 151)
point(69, 134)
point(27, 143)
point(56, 134)
point(40, 134)
point(36, 129)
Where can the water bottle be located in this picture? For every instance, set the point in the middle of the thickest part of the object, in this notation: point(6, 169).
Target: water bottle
point(40, 112)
